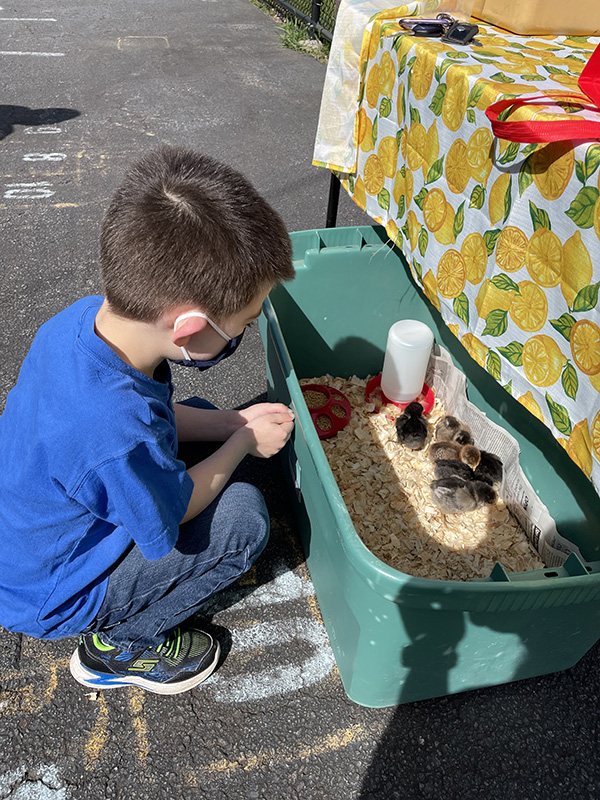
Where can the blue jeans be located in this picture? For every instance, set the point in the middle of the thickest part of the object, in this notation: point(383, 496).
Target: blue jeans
point(145, 599)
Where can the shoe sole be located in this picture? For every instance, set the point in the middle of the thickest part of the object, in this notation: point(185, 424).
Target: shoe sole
point(104, 680)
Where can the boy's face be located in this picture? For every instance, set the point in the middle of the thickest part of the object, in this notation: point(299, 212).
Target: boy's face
point(208, 343)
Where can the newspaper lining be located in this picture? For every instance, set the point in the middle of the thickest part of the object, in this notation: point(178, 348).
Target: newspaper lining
point(450, 385)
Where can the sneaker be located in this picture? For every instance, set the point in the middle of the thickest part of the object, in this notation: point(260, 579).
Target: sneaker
point(187, 658)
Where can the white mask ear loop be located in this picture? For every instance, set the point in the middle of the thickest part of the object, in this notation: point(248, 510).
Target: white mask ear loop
point(188, 314)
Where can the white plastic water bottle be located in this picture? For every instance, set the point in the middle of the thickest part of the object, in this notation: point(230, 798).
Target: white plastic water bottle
point(407, 355)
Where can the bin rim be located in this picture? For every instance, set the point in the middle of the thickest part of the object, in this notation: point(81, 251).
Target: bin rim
point(381, 577)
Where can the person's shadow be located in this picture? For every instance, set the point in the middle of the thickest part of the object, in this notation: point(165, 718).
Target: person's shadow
point(468, 745)
point(21, 115)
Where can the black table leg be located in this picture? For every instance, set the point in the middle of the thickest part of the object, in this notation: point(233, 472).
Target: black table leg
point(333, 202)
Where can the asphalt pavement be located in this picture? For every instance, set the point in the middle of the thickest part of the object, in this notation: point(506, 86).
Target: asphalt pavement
point(86, 89)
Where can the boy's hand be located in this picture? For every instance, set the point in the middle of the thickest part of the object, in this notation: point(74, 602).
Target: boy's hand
point(260, 409)
point(263, 437)
point(267, 434)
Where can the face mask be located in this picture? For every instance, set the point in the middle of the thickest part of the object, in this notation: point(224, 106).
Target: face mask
point(229, 348)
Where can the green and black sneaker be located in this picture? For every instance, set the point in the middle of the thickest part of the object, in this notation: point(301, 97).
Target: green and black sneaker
point(185, 659)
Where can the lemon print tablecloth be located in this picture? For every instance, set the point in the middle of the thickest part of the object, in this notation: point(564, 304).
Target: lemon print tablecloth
point(504, 238)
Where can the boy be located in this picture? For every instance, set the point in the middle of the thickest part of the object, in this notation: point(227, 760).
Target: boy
point(103, 531)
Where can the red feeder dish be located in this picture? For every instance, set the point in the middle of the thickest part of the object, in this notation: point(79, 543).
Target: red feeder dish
point(426, 398)
point(330, 413)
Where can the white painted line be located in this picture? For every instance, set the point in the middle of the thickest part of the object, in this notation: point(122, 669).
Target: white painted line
point(26, 19)
point(280, 678)
point(44, 157)
point(25, 53)
point(28, 190)
point(43, 129)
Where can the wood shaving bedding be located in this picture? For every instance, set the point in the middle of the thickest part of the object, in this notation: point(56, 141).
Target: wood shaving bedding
point(386, 488)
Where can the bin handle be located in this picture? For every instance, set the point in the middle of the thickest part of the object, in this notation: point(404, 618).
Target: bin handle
point(572, 567)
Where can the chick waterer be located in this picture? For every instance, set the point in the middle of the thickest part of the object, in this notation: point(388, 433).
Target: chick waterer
point(407, 353)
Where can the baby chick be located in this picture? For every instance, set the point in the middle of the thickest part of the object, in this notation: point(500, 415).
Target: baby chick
point(451, 467)
point(453, 495)
point(411, 427)
point(446, 428)
point(489, 469)
point(484, 493)
point(463, 436)
point(451, 429)
point(470, 455)
point(444, 450)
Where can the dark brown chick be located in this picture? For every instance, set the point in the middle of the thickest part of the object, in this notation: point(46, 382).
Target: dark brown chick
point(483, 492)
point(446, 428)
point(451, 429)
point(454, 496)
point(411, 427)
point(463, 436)
point(489, 469)
point(453, 468)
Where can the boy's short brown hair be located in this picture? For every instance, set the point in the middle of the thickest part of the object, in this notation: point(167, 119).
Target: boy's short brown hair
point(184, 228)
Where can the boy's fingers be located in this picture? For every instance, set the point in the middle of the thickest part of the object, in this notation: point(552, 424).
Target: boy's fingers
point(281, 417)
point(271, 408)
point(275, 408)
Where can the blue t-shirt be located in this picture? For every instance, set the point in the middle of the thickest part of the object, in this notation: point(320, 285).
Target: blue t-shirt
point(88, 455)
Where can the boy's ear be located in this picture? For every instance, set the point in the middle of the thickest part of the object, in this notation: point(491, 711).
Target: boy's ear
point(187, 328)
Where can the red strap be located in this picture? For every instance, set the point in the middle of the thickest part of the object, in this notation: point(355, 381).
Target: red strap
point(538, 130)
point(589, 80)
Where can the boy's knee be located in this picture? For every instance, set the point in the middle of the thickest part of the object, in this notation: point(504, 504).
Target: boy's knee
point(246, 503)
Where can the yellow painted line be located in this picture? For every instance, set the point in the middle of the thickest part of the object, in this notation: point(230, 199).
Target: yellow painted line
point(136, 707)
point(313, 605)
point(102, 201)
point(125, 40)
point(31, 698)
point(99, 735)
point(311, 601)
point(330, 743)
point(314, 609)
point(249, 578)
point(299, 553)
point(137, 130)
point(334, 741)
point(34, 172)
point(79, 166)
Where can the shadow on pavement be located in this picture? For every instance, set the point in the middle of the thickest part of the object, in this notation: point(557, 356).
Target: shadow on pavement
point(21, 115)
point(482, 743)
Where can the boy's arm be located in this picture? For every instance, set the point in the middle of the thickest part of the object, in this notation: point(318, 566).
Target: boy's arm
point(216, 425)
point(203, 424)
point(262, 437)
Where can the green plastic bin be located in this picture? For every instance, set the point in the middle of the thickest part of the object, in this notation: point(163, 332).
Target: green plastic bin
point(397, 638)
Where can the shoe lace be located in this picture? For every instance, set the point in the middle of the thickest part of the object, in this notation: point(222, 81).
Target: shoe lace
point(171, 646)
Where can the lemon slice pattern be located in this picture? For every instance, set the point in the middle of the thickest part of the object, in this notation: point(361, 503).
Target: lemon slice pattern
point(503, 238)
